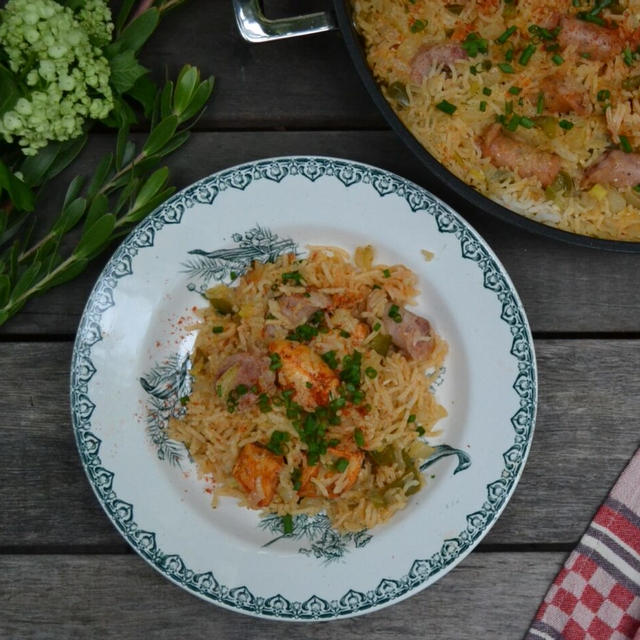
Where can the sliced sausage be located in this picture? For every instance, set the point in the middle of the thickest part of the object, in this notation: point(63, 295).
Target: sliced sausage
point(412, 333)
point(601, 43)
point(298, 308)
point(247, 369)
point(428, 56)
point(523, 158)
point(562, 95)
point(615, 168)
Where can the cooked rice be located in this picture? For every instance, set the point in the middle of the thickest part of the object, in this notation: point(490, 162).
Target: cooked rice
point(398, 406)
point(392, 39)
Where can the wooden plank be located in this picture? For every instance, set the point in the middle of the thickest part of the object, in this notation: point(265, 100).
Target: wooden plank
point(490, 595)
point(564, 288)
point(587, 430)
point(296, 83)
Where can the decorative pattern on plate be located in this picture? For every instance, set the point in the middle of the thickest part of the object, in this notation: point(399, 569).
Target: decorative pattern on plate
point(225, 264)
point(120, 266)
point(326, 544)
point(168, 384)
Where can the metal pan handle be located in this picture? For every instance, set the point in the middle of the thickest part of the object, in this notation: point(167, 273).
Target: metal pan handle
point(255, 27)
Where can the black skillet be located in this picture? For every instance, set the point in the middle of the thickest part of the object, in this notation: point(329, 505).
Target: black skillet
point(255, 27)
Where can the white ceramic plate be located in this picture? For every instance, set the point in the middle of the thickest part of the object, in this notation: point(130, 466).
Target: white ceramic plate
point(130, 369)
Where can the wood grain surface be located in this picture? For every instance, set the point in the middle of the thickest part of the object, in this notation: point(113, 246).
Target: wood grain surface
point(64, 570)
point(584, 433)
point(492, 596)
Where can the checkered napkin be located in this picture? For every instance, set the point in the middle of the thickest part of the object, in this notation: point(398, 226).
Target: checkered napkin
point(596, 595)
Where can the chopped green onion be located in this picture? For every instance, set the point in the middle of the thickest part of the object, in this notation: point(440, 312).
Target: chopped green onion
point(341, 465)
point(287, 524)
point(263, 403)
point(627, 56)
point(508, 107)
point(344, 334)
point(565, 124)
point(394, 313)
point(184, 400)
point(506, 35)
point(233, 275)
point(296, 479)
point(487, 91)
point(295, 276)
point(330, 358)
point(557, 59)
point(509, 55)
point(625, 145)
point(599, 7)
point(276, 362)
point(418, 25)
point(483, 105)
point(525, 56)
point(376, 326)
point(411, 418)
point(637, 188)
point(526, 122)
point(386, 273)
point(278, 438)
point(603, 94)
point(370, 372)
point(219, 391)
point(515, 90)
point(358, 436)
point(512, 125)
point(540, 103)
point(474, 45)
point(505, 67)
point(217, 329)
point(447, 107)
point(420, 431)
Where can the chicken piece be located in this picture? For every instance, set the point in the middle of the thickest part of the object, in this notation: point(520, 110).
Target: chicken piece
point(306, 372)
point(563, 95)
point(360, 332)
point(341, 480)
point(298, 308)
point(257, 470)
point(428, 56)
point(601, 43)
point(523, 158)
point(249, 370)
point(616, 168)
point(412, 334)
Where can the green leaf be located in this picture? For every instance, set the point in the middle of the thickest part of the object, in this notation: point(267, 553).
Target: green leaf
point(165, 100)
point(70, 216)
point(136, 215)
point(97, 209)
point(123, 134)
point(123, 14)
point(125, 71)
point(9, 92)
point(19, 193)
point(69, 272)
point(27, 280)
point(17, 222)
point(73, 190)
point(198, 100)
point(129, 153)
point(100, 176)
point(185, 86)
point(161, 135)
point(95, 237)
point(126, 194)
point(5, 288)
point(175, 143)
point(51, 160)
point(144, 92)
point(136, 33)
point(151, 187)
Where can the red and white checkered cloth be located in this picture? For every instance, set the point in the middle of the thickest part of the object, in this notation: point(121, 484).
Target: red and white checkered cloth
point(596, 595)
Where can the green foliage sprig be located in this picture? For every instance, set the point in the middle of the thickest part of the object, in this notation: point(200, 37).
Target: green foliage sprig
point(125, 187)
point(127, 184)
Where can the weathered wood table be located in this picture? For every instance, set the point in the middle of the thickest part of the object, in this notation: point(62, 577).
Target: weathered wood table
point(64, 570)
